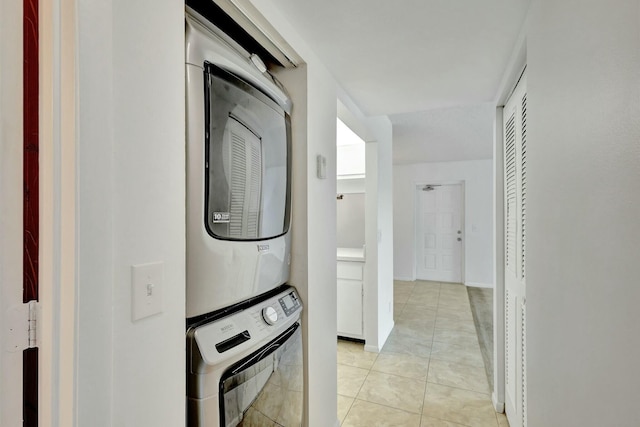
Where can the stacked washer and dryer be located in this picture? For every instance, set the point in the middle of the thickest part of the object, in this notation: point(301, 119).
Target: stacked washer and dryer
point(244, 348)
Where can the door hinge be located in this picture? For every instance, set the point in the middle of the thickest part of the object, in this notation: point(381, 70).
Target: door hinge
point(21, 327)
point(32, 324)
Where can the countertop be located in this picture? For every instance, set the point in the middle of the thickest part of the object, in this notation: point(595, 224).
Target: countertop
point(351, 254)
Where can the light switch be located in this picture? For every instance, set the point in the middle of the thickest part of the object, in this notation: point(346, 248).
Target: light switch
point(146, 289)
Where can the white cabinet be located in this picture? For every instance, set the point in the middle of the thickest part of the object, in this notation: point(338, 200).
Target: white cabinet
point(350, 280)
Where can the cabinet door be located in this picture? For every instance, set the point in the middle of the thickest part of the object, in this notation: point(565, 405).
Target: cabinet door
point(350, 308)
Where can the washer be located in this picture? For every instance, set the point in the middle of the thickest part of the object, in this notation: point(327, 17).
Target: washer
point(244, 367)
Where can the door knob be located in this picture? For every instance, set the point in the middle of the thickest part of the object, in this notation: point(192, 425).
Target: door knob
point(459, 239)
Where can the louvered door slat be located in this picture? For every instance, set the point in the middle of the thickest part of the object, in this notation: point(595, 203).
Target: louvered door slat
point(523, 185)
point(510, 188)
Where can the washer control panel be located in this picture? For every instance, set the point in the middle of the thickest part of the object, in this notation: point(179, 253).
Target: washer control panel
point(234, 334)
point(290, 303)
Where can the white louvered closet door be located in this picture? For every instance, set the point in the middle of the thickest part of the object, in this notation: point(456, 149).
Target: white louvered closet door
point(515, 199)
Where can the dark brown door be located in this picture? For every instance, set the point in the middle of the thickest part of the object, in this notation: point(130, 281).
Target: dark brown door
point(31, 198)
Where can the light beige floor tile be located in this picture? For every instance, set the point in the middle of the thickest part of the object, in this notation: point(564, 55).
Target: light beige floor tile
point(426, 289)
point(427, 299)
point(407, 344)
point(451, 304)
point(457, 314)
point(454, 322)
point(453, 288)
point(430, 318)
point(416, 311)
point(453, 295)
point(404, 365)
point(394, 391)
point(460, 406)
point(451, 374)
point(454, 336)
point(344, 404)
point(403, 284)
point(464, 354)
point(502, 420)
point(353, 354)
point(428, 284)
point(401, 296)
point(367, 414)
point(397, 309)
point(435, 422)
point(420, 326)
point(350, 380)
point(454, 298)
point(420, 332)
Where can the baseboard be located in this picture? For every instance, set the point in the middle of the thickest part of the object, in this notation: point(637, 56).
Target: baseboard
point(405, 279)
point(377, 348)
point(479, 285)
point(498, 406)
point(372, 348)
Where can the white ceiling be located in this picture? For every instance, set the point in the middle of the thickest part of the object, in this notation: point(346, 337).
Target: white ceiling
point(409, 59)
point(444, 134)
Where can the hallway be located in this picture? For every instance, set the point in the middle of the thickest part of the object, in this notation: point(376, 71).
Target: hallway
point(430, 372)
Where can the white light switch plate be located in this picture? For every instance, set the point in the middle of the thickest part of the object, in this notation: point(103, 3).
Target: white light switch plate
point(146, 289)
point(321, 167)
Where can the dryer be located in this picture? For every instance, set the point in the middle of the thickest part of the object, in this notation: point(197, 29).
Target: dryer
point(238, 172)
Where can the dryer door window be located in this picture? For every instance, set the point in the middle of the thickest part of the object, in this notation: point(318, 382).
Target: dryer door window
point(247, 160)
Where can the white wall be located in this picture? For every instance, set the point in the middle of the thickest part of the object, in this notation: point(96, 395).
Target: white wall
point(378, 134)
point(477, 176)
point(130, 210)
point(350, 186)
point(11, 195)
point(583, 213)
point(313, 91)
point(381, 130)
point(315, 271)
point(350, 220)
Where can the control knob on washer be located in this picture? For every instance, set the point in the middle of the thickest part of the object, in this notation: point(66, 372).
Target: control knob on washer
point(270, 315)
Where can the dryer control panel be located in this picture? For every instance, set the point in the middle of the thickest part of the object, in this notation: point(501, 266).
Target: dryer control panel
point(246, 330)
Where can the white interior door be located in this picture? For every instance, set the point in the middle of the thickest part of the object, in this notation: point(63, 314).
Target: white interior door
point(440, 234)
point(515, 189)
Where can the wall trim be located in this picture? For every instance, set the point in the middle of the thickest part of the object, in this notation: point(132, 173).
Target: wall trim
point(372, 348)
point(479, 285)
point(498, 406)
point(405, 279)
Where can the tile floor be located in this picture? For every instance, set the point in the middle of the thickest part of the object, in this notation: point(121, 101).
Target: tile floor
point(430, 372)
